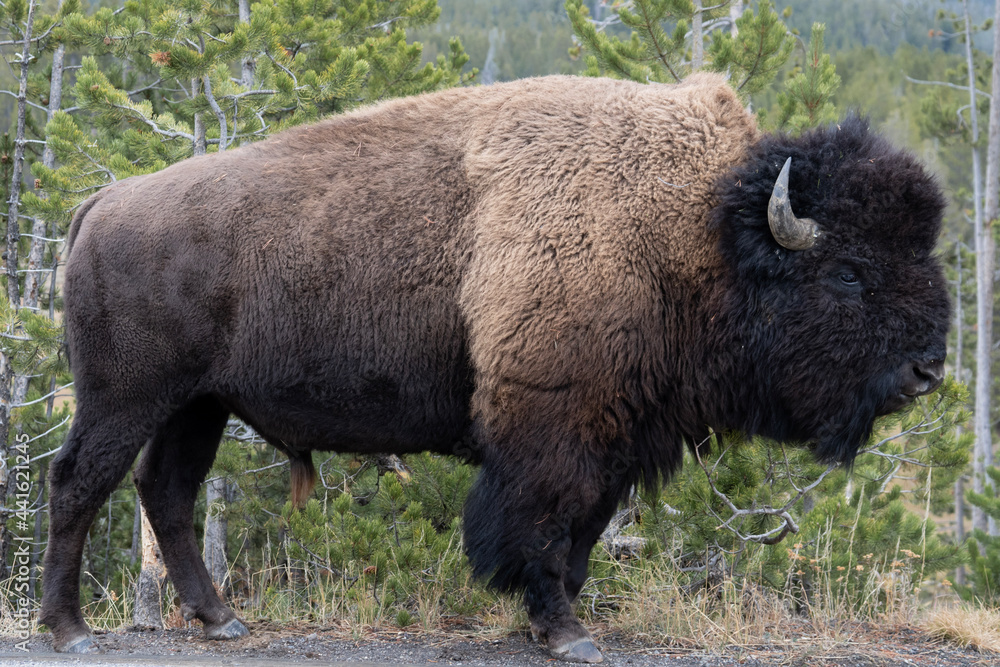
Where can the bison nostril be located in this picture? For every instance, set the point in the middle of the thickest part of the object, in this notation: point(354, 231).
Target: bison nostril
point(932, 370)
point(929, 375)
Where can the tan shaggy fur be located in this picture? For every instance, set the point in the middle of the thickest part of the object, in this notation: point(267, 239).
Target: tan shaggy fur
point(602, 210)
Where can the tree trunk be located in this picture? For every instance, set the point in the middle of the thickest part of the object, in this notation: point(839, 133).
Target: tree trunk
point(216, 532)
point(148, 611)
point(959, 321)
point(33, 280)
point(597, 11)
point(6, 375)
point(13, 292)
point(200, 145)
point(959, 525)
point(488, 75)
point(697, 39)
point(735, 11)
point(959, 358)
point(136, 550)
point(14, 202)
point(36, 551)
point(985, 259)
point(50, 404)
point(248, 65)
point(982, 393)
point(107, 543)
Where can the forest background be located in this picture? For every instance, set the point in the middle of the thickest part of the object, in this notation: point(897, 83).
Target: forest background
point(379, 543)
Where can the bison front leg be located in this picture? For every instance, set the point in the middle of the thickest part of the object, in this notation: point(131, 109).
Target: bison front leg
point(94, 459)
point(168, 477)
point(532, 528)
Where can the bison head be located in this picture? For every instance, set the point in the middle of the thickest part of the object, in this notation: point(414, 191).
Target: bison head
point(834, 296)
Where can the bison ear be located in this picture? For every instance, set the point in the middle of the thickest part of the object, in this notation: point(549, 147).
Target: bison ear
point(791, 232)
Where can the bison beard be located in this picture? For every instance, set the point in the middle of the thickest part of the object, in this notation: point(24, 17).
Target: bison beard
point(562, 279)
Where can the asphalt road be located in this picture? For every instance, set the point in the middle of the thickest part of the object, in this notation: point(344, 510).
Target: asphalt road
point(34, 659)
point(288, 647)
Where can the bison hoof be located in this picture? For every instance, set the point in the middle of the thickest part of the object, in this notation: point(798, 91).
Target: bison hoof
point(84, 644)
point(230, 630)
point(578, 650)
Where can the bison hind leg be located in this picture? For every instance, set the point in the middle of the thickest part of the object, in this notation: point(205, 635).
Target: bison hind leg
point(168, 476)
point(97, 454)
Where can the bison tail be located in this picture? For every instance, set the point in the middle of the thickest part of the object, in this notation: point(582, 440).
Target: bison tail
point(303, 477)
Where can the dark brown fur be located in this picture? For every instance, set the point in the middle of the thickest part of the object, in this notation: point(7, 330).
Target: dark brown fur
point(534, 275)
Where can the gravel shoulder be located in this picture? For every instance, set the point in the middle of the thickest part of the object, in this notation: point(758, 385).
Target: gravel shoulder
point(297, 645)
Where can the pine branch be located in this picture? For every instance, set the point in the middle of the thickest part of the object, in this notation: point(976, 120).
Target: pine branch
point(220, 115)
point(28, 102)
point(42, 398)
point(770, 537)
point(946, 84)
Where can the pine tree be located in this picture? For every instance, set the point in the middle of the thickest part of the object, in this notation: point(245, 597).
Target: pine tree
point(984, 550)
point(168, 91)
point(806, 100)
point(658, 49)
point(953, 112)
point(666, 45)
point(32, 372)
point(772, 518)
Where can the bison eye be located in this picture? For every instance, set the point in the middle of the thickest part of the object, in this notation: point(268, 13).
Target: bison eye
point(848, 278)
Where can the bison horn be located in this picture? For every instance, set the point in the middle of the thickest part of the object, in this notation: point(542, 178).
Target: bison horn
point(791, 232)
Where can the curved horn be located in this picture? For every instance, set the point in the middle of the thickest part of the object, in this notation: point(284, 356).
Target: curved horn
point(791, 232)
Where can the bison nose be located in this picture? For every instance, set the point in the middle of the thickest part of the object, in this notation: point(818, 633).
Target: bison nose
point(924, 377)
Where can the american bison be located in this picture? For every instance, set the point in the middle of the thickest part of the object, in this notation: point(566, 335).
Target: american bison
point(563, 279)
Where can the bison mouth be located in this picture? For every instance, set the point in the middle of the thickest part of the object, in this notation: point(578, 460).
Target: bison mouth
point(894, 404)
point(841, 436)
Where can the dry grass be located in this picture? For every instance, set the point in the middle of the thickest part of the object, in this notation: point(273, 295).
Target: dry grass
point(658, 606)
point(968, 627)
point(649, 602)
point(712, 619)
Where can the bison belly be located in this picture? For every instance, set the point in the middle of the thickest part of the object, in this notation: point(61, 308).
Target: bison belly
point(386, 374)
